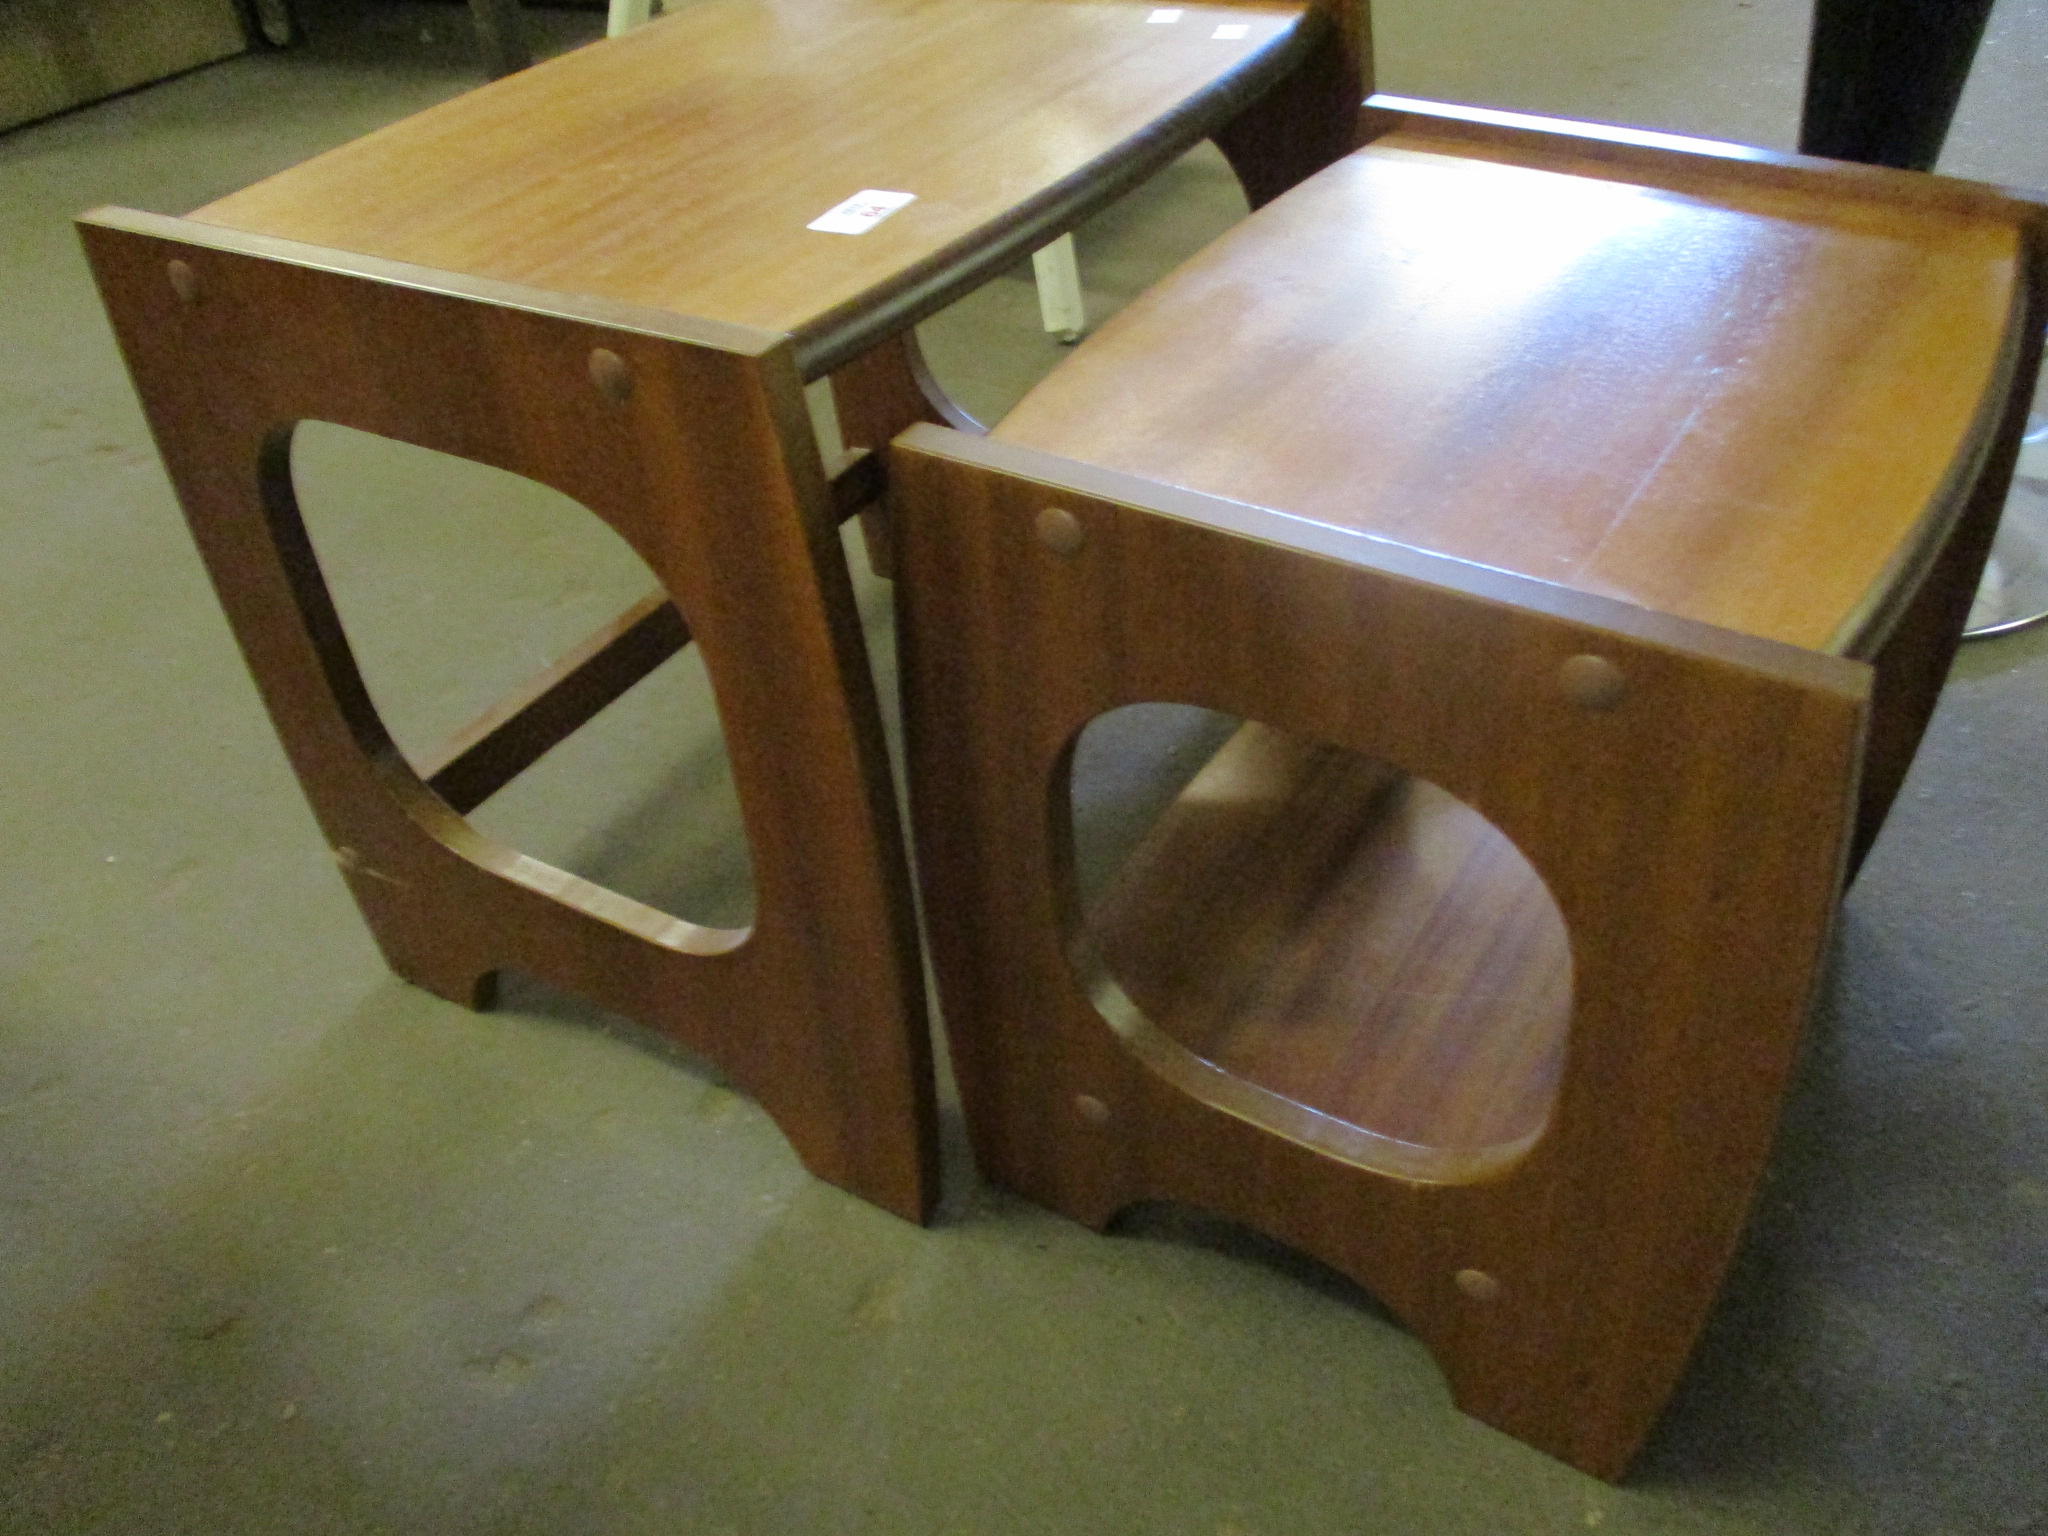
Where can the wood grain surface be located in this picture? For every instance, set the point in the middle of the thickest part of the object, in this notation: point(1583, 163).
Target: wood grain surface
point(1691, 830)
point(701, 457)
point(1517, 481)
point(645, 201)
point(1395, 964)
point(1731, 398)
point(677, 166)
point(597, 273)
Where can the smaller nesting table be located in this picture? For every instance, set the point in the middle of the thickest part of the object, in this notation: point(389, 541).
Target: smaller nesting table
point(1580, 522)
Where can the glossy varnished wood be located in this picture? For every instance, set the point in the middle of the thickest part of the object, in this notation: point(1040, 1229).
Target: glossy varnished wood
point(644, 200)
point(1729, 399)
point(1913, 619)
point(1609, 495)
point(877, 395)
point(692, 442)
point(1692, 835)
point(677, 166)
point(1395, 965)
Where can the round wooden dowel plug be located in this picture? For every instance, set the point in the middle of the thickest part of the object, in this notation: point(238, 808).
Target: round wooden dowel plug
point(1478, 1284)
point(184, 281)
point(1060, 531)
point(1592, 682)
point(609, 373)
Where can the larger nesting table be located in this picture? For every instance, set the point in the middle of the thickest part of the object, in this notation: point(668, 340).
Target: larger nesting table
point(606, 274)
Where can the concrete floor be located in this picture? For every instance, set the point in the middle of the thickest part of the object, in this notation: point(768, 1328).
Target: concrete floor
point(287, 1246)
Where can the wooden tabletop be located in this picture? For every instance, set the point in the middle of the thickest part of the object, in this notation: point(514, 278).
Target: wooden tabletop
point(678, 166)
point(1736, 400)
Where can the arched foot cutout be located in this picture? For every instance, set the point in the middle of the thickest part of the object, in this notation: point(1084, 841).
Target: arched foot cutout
point(536, 997)
point(1190, 1226)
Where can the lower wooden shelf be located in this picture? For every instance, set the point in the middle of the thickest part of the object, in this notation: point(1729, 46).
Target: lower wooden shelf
point(1353, 941)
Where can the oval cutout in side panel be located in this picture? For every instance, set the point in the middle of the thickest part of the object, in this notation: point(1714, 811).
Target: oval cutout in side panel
point(1329, 947)
point(502, 577)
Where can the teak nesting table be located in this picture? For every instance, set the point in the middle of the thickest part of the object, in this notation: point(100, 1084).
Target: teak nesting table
point(602, 274)
point(1580, 524)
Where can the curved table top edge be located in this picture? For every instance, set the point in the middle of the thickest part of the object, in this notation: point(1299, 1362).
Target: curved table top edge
point(921, 285)
point(929, 286)
point(1687, 168)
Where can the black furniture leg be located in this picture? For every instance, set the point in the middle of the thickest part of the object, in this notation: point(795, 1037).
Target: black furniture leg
point(1884, 76)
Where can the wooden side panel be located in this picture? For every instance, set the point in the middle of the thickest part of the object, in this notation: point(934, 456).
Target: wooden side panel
point(702, 460)
point(877, 395)
point(1692, 834)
